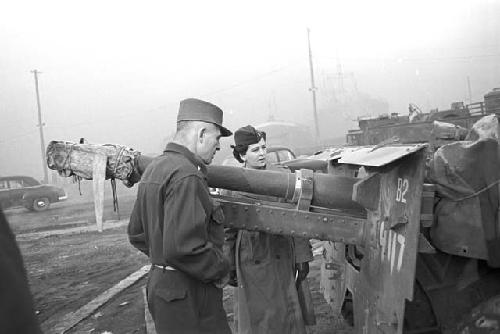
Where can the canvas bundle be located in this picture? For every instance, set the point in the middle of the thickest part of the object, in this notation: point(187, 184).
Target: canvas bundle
point(77, 159)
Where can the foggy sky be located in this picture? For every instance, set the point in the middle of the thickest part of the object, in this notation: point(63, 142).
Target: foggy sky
point(115, 71)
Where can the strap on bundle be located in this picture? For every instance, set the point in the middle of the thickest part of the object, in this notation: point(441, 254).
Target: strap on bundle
point(113, 181)
point(115, 197)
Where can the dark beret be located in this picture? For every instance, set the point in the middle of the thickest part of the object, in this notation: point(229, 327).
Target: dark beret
point(248, 135)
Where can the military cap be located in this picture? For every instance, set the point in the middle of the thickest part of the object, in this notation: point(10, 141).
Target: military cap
point(248, 135)
point(198, 110)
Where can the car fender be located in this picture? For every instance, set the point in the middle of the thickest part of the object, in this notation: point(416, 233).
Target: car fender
point(33, 194)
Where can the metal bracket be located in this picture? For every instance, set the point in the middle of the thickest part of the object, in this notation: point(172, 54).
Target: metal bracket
point(303, 189)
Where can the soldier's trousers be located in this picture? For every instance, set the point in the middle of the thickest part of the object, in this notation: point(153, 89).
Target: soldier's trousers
point(181, 304)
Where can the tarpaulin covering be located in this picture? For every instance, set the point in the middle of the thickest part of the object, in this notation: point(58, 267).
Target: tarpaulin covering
point(467, 177)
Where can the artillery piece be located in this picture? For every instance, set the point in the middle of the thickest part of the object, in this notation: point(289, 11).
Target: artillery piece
point(411, 259)
point(378, 215)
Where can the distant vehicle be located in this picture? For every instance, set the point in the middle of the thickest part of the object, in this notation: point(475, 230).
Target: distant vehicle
point(28, 192)
point(279, 154)
point(275, 155)
point(419, 127)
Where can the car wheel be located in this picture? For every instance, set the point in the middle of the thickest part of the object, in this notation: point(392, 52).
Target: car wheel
point(41, 204)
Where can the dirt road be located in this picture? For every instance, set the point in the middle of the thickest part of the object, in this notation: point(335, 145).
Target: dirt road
point(68, 270)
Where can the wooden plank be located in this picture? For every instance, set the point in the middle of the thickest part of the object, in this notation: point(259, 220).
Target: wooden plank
point(72, 319)
point(99, 173)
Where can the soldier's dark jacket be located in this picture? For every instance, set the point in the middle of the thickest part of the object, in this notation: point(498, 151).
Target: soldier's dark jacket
point(174, 220)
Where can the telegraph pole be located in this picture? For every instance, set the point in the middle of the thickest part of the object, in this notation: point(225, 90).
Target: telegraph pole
point(313, 86)
point(469, 90)
point(40, 126)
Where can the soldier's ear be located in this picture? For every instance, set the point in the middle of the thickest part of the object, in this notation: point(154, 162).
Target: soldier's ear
point(201, 134)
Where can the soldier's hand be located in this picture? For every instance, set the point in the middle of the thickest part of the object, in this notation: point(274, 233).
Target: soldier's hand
point(302, 271)
point(233, 279)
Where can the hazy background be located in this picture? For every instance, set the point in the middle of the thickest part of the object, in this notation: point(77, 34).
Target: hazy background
point(114, 71)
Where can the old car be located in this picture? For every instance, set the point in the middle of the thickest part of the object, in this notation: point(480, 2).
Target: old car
point(26, 191)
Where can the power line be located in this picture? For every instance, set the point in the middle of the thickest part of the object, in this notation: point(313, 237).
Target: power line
point(415, 59)
point(156, 109)
point(241, 83)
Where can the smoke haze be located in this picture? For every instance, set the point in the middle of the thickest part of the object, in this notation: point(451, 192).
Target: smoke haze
point(115, 71)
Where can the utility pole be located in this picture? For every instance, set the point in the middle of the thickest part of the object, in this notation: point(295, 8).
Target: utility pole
point(469, 89)
point(40, 126)
point(313, 87)
point(340, 76)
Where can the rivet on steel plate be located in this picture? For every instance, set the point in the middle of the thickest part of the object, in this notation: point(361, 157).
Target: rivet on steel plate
point(268, 229)
point(292, 232)
point(246, 208)
point(325, 220)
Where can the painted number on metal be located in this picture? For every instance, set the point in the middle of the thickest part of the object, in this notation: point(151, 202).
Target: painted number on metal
point(403, 186)
point(392, 247)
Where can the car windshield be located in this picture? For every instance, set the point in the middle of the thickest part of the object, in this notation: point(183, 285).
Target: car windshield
point(284, 155)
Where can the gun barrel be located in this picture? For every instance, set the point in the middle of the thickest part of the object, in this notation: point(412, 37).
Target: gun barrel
point(329, 191)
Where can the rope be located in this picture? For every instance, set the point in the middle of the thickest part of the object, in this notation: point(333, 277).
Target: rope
point(477, 192)
point(115, 197)
point(67, 161)
point(447, 166)
point(78, 179)
point(117, 158)
point(67, 165)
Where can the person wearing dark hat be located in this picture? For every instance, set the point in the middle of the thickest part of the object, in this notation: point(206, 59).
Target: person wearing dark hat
point(176, 223)
point(263, 265)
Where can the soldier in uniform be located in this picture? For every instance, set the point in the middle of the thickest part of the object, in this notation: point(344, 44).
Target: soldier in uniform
point(176, 224)
point(263, 265)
